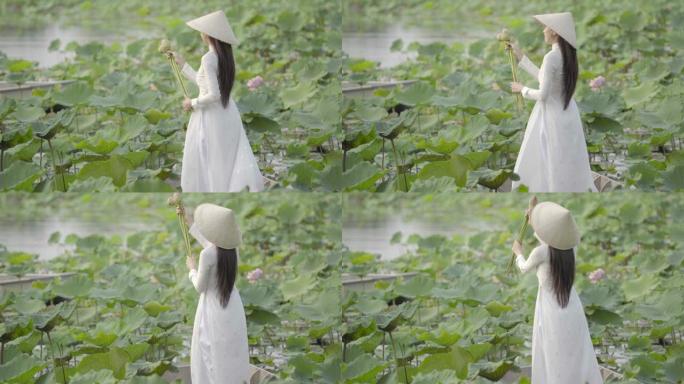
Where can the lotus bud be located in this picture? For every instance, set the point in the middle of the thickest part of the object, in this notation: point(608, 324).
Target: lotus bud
point(255, 83)
point(255, 275)
point(597, 275)
point(164, 46)
point(597, 83)
point(174, 199)
point(503, 36)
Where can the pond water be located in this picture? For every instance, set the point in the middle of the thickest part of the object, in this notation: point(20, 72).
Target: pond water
point(33, 44)
point(374, 44)
point(375, 236)
point(33, 236)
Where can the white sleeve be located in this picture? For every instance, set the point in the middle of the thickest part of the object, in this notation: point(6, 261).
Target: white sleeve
point(213, 95)
point(200, 278)
point(537, 256)
point(194, 231)
point(529, 67)
point(545, 75)
point(189, 73)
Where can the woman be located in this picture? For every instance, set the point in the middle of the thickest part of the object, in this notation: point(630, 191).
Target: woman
point(562, 352)
point(219, 352)
point(553, 155)
point(217, 156)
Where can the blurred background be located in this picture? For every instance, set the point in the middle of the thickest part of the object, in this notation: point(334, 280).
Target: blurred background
point(94, 287)
point(430, 297)
point(428, 106)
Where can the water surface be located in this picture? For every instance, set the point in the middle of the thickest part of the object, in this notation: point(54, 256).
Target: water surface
point(33, 236)
point(34, 44)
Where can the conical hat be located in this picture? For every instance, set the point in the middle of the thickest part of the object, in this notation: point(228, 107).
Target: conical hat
point(218, 225)
point(562, 24)
point(555, 226)
point(215, 25)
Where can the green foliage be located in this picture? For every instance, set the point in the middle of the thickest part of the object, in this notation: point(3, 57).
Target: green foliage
point(462, 105)
point(461, 318)
point(124, 98)
point(129, 308)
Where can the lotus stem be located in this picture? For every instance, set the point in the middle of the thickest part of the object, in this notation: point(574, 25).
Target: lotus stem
point(522, 231)
point(179, 78)
point(521, 235)
point(518, 97)
point(165, 48)
point(175, 200)
point(184, 230)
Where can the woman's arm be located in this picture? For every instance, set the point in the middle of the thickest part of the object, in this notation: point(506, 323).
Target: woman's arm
point(186, 69)
point(200, 278)
point(529, 67)
point(536, 258)
point(523, 61)
point(189, 73)
point(546, 73)
point(210, 65)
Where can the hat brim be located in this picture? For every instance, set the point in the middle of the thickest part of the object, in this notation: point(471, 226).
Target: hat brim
point(215, 25)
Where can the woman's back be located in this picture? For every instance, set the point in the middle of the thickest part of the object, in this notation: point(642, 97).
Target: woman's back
point(551, 76)
point(209, 287)
point(540, 259)
point(219, 333)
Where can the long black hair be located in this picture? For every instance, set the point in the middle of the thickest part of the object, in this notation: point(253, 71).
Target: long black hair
point(562, 273)
point(226, 68)
point(570, 70)
point(226, 272)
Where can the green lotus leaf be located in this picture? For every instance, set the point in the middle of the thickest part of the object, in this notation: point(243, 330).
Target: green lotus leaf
point(640, 94)
point(456, 168)
point(20, 175)
point(20, 369)
point(115, 360)
point(363, 369)
point(456, 360)
point(74, 94)
point(28, 113)
point(298, 94)
point(361, 176)
point(415, 94)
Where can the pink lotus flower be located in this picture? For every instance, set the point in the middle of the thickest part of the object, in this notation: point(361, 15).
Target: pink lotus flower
point(597, 83)
point(597, 275)
point(255, 83)
point(255, 275)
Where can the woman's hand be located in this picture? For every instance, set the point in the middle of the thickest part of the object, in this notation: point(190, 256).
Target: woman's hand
point(190, 263)
point(187, 105)
point(516, 87)
point(516, 50)
point(517, 248)
point(179, 59)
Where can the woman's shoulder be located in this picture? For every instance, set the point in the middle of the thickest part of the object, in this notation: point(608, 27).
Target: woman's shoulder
point(553, 56)
point(210, 57)
point(541, 251)
point(209, 253)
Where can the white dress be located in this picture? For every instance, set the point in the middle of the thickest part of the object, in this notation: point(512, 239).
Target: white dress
point(217, 156)
point(219, 353)
point(562, 352)
point(553, 156)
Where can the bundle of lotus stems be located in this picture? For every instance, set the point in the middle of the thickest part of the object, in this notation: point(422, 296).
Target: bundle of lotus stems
point(176, 201)
point(165, 48)
point(523, 230)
